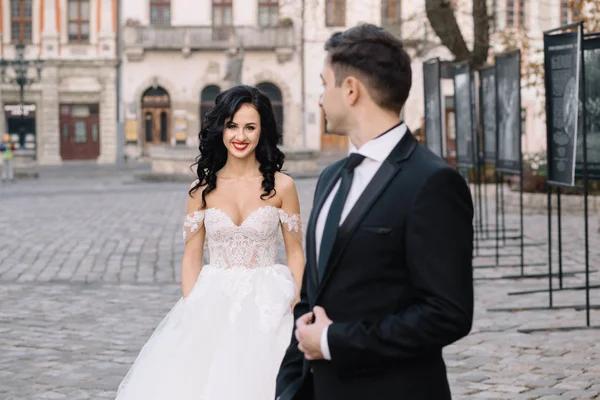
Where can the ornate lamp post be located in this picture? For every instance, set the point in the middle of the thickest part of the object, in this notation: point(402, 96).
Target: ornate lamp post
point(20, 67)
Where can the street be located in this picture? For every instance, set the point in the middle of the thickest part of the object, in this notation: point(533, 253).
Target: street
point(90, 264)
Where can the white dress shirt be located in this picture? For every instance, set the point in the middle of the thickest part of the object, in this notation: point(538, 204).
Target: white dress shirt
point(375, 152)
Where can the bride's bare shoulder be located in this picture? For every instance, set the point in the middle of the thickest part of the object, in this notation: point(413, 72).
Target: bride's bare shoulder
point(286, 191)
point(195, 195)
point(284, 183)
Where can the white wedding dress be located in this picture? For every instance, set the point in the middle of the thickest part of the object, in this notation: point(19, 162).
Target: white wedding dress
point(226, 340)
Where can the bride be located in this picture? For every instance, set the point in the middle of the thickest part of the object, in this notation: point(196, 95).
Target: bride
point(225, 338)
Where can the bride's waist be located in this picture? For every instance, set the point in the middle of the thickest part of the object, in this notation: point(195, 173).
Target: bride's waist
point(241, 260)
point(267, 267)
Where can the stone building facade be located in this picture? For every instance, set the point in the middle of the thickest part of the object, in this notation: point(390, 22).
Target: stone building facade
point(178, 55)
point(70, 113)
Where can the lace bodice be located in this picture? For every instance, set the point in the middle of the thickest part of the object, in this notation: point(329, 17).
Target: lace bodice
point(251, 244)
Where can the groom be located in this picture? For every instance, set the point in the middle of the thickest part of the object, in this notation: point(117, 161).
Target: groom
point(388, 279)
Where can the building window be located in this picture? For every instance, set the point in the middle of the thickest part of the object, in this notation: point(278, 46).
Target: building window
point(565, 16)
point(510, 13)
point(222, 12)
point(95, 131)
point(160, 12)
point(576, 12)
point(335, 12)
point(268, 12)
point(207, 99)
point(522, 14)
point(79, 20)
point(80, 132)
point(164, 120)
point(20, 20)
point(391, 16)
point(390, 12)
point(569, 11)
point(148, 127)
point(222, 19)
point(516, 16)
point(274, 94)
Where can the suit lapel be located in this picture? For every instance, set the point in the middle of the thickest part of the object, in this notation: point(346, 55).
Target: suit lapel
point(388, 170)
point(326, 188)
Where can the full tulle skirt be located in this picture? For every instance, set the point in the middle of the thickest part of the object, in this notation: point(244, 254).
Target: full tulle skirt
point(225, 341)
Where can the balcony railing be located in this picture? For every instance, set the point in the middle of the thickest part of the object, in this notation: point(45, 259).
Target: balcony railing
point(208, 37)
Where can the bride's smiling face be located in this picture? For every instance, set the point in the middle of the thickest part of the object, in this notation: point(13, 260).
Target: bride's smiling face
point(242, 132)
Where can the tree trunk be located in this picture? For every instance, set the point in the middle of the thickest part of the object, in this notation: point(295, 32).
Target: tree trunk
point(481, 32)
point(443, 21)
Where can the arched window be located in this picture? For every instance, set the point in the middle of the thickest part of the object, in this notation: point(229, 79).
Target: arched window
point(274, 94)
point(207, 99)
point(155, 96)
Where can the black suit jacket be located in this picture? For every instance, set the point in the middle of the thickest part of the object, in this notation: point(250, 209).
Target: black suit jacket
point(398, 285)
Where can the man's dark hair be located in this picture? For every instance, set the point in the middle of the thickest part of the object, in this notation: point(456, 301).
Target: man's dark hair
point(377, 58)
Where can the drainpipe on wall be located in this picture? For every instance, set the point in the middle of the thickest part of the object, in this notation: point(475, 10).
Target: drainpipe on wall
point(302, 73)
point(119, 83)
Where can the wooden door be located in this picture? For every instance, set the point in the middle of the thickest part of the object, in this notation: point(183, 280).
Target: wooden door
point(79, 132)
point(156, 125)
point(331, 143)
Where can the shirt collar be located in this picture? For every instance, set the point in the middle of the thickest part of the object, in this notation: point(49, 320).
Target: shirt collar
point(379, 148)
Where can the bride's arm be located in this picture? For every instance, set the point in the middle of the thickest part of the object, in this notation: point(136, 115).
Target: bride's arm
point(291, 228)
point(194, 235)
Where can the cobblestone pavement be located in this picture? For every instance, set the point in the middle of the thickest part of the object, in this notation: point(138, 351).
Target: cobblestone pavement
point(89, 266)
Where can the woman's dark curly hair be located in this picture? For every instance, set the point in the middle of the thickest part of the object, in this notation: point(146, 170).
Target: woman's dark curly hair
point(213, 153)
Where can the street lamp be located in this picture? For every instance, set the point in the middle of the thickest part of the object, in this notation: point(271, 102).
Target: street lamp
point(20, 67)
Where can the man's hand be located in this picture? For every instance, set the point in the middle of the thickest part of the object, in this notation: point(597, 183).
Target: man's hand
point(308, 333)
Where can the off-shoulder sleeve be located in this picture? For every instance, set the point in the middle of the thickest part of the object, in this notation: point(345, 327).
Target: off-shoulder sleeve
point(192, 224)
point(291, 223)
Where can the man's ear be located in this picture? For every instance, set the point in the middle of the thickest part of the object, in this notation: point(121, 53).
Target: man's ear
point(351, 90)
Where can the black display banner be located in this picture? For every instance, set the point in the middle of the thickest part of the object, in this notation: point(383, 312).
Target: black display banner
point(463, 115)
point(433, 106)
point(487, 96)
point(508, 111)
point(562, 61)
point(591, 62)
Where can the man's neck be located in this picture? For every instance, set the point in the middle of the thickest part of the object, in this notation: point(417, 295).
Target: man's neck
point(369, 125)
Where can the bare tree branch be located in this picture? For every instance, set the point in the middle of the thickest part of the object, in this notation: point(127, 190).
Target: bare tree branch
point(420, 47)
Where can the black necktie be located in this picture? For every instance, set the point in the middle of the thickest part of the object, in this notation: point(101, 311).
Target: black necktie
point(335, 212)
